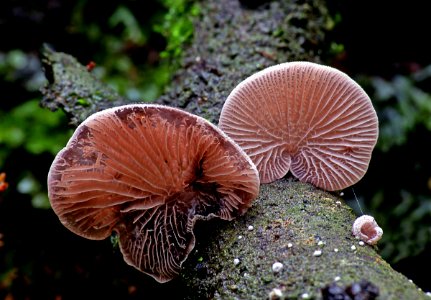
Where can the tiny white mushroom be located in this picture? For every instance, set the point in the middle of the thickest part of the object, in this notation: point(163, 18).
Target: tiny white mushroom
point(305, 296)
point(335, 249)
point(337, 278)
point(428, 294)
point(289, 245)
point(236, 261)
point(317, 253)
point(275, 294)
point(277, 266)
point(366, 229)
point(321, 243)
point(353, 247)
point(250, 227)
point(361, 243)
point(239, 237)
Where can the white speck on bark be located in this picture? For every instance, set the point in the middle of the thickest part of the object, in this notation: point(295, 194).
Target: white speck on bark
point(277, 267)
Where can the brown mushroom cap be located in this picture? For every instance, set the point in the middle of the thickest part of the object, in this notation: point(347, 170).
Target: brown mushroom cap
point(148, 172)
point(304, 117)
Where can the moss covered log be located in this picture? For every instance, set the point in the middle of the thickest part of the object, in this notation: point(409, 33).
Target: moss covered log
point(289, 219)
point(305, 229)
point(231, 41)
point(73, 88)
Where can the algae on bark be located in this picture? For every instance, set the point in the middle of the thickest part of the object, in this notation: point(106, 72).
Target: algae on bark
point(73, 88)
point(230, 43)
point(289, 219)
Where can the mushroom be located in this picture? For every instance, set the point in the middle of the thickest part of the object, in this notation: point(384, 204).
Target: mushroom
point(366, 229)
point(148, 172)
point(311, 119)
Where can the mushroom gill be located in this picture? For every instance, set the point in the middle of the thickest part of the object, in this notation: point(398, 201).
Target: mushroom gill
point(148, 172)
point(310, 119)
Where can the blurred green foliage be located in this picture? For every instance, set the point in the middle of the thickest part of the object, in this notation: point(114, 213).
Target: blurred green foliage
point(137, 55)
point(16, 64)
point(407, 224)
point(399, 180)
point(27, 126)
point(403, 107)
point(176, 25)
point(33, 128)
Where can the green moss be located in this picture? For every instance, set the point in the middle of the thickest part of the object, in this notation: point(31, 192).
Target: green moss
point(297, 213)
point(231, 43)
point(177, 26)
point(74, 89)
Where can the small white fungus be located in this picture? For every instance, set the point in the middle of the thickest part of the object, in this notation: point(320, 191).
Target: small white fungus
point(335, 249)
point(305, 296)
point(239, 237)
point(337, 278)
point(277, 266)
point(361, 243)
point(353, 247)
point(250, 227)
point(236, 261)
point(317, 253)
point(275, 294)
point(289, 245)
point(321, 243)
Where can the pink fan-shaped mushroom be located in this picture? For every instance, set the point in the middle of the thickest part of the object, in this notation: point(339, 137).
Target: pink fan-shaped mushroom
point(148, 172)
point(310, 119)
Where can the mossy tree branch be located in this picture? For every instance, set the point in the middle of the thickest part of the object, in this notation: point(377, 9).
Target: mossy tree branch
point(231, 42)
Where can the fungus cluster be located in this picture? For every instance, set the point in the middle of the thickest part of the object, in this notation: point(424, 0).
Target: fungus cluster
point(306, 118)
point(148, 172)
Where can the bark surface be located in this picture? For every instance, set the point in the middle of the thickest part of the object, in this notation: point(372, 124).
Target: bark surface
point(289, 219)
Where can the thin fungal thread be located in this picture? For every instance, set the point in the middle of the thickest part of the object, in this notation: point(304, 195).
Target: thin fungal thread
point(357, 201)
